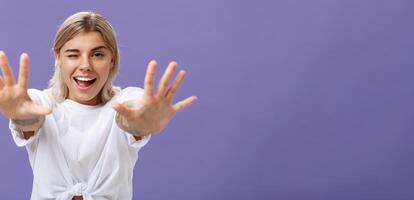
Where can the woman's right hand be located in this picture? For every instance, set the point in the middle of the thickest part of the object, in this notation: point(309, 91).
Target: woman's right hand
point(15, 102)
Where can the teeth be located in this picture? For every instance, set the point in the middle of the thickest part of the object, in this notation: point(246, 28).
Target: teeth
point(81, 78)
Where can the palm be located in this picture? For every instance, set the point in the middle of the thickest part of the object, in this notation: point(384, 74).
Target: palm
point(14, 100)
point(153, 112)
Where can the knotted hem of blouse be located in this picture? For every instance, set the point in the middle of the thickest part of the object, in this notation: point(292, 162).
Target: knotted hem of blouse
point(79, 189)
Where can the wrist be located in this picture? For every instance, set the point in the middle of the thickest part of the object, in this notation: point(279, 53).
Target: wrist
point(139, 134)
point(29, 124)
point(125, 126)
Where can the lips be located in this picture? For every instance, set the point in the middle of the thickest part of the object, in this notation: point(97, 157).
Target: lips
point(84, 82)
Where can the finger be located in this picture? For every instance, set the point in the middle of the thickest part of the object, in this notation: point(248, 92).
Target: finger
point(184, 103)
point(176, 85)
point(41, 110)
point(5, 68)
point(165, 79)
point(1, 82)
point(24, 70)
point(149, 78)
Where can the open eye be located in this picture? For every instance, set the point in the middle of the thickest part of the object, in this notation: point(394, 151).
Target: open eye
point(98, 54)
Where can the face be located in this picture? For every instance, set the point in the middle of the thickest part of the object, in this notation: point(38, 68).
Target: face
point(85, 62)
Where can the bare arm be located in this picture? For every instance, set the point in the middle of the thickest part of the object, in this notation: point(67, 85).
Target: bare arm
point(153, 112)
point(124, 125)
point(29, 126)
point(15, 102)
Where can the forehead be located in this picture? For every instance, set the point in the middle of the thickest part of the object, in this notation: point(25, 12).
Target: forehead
point(85, 41)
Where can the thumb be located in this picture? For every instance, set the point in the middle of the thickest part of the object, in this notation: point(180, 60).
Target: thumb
point(35, 109)
point(121, 109)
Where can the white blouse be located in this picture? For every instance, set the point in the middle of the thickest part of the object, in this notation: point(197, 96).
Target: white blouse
point(80, 150)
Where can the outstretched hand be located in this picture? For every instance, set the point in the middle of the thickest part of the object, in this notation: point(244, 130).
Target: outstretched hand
point(153, 112)
point(15, 102)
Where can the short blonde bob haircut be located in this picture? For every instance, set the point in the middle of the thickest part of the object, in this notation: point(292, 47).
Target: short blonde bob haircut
point(77, 23)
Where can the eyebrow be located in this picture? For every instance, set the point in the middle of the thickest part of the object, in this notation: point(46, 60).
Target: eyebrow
point(77, 50)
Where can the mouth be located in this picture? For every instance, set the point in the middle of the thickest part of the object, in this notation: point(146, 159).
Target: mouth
point(83, 82)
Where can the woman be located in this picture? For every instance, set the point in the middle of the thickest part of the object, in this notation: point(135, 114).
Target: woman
point(83, 134)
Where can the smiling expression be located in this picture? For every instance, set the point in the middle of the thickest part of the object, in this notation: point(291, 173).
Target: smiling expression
point(85, 62)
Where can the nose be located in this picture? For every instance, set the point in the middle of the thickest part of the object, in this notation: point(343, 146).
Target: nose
point(85, 64)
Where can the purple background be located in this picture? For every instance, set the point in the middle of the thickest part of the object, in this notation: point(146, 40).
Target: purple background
point(298, 99)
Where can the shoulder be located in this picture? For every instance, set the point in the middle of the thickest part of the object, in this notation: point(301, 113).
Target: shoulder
point(129, 93)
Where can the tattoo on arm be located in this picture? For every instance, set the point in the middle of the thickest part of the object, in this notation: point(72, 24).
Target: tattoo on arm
point(26, 122)
point(29, 124)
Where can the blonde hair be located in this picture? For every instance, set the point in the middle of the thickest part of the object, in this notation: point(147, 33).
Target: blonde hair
point(77, 23)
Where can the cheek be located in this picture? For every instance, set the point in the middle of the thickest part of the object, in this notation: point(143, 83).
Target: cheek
point(103, 71)
point(67, 70)
point(104, 75)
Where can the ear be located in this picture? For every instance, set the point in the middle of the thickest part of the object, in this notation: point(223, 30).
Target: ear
point(57, 59)
point(112, 63)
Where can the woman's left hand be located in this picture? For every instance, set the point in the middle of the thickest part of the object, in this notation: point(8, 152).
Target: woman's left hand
point(153, 112)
